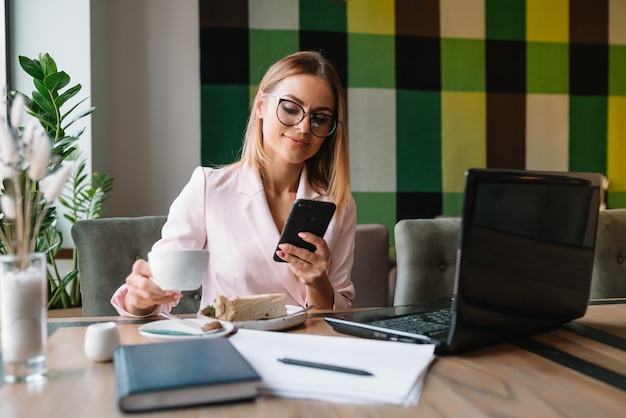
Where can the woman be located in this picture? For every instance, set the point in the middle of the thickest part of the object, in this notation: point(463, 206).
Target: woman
point(295, 146)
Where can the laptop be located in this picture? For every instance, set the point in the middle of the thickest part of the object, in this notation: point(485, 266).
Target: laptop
point(524, 264)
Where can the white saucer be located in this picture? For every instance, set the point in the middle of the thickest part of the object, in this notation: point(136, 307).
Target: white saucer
point(167, 329)
point(294, 318)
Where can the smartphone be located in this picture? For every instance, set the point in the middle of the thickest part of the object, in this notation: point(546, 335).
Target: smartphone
point(305, 216)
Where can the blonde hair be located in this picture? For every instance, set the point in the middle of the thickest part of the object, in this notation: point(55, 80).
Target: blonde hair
point(328, 170)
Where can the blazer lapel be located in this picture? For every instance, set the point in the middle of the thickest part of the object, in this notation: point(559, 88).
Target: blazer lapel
point(256, 211)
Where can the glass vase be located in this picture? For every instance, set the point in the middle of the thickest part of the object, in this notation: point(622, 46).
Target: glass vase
point(23, 314)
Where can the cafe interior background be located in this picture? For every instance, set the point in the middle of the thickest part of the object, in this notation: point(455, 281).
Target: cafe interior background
point(434, 87)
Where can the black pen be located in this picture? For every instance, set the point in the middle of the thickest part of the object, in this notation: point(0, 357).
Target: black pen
point(324, 366)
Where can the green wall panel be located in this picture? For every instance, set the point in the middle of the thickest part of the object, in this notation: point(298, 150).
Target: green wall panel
point(418, 143)
point(588, 132)
point(376, 208)
point(223, 119)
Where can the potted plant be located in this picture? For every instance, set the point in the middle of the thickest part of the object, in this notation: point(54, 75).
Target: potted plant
point(84, 198)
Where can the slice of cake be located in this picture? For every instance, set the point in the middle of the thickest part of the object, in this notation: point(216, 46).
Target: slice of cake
point(250, 308)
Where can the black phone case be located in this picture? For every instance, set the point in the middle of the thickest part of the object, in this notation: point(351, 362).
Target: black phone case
point(305, 216)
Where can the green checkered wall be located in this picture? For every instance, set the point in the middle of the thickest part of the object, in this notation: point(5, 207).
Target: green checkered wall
point(434, 87)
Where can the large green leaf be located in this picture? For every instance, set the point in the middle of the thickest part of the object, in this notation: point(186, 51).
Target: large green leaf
point(56, 81)
point(73, 108)
point(79, 116)
point(47, 64)
point(32, 67)
point(45, 104)
point(68, 94)
point(43, 90)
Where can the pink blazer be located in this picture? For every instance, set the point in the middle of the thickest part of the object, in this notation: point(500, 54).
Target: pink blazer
point(225, 211)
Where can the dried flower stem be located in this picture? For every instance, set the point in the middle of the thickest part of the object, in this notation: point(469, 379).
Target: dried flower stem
point(29, 188)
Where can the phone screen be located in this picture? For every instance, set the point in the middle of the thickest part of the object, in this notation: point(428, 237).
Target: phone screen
point(305, 216)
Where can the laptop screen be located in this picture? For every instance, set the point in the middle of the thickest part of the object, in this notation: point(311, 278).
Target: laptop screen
point(526, 249)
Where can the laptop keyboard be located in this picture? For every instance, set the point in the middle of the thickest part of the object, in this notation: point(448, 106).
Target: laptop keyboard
point(424, 323)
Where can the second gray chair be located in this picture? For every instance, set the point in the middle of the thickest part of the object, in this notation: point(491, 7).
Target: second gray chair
point(425, 258)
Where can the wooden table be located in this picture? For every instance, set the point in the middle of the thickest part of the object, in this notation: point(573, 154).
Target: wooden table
point(535, 377)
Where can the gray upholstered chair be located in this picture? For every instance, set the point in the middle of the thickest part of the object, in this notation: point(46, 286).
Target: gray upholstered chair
point(609, 266)
point(426, 257)
point(107, 249)
point(373, 272)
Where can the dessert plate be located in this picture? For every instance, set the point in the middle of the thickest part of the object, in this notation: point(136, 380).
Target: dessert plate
point(295, 316)
point(168, 329)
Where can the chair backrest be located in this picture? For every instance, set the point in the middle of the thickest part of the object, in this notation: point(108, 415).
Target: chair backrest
point(426, 259)
point(609, 266)
point(107, 249)
point(372, 266)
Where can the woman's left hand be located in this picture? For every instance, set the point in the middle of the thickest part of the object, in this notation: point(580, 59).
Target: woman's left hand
point(311, 268)
point(307, 265)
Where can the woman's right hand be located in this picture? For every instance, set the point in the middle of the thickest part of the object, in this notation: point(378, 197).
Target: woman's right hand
point(143, 294)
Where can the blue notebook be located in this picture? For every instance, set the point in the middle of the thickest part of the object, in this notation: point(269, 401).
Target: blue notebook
point(181, 373)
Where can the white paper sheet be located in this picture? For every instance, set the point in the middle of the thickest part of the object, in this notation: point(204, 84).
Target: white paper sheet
point(398, 369)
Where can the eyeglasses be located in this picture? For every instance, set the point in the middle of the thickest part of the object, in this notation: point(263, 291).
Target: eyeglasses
point(290, 113)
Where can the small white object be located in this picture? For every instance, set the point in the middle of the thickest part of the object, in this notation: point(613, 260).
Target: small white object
point(178, 269)
point(100, 341)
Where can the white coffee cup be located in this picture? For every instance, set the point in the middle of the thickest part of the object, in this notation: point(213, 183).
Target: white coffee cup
point(178, 269)
point(101, 340)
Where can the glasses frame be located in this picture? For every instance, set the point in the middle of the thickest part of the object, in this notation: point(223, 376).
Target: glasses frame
point(304, 113)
